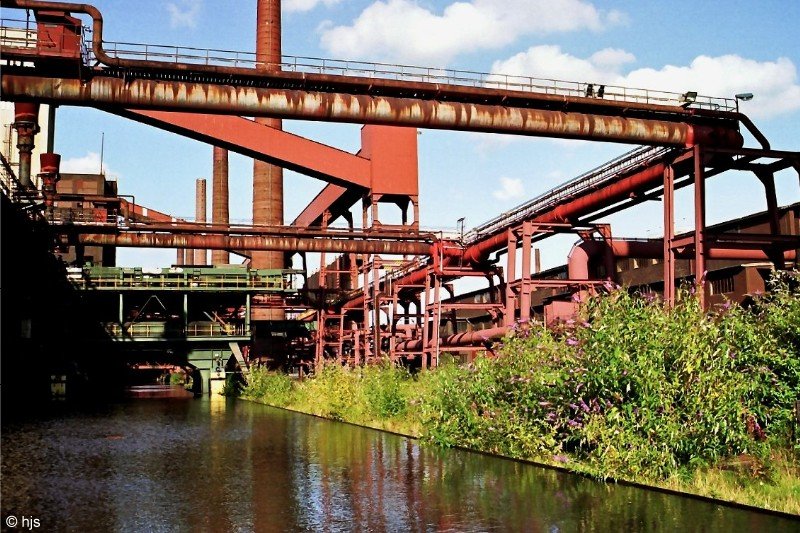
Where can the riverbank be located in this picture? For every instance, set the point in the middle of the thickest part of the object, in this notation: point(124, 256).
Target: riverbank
point(628, 391)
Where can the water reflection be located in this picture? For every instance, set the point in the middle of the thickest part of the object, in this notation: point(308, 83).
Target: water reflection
point(217, 465)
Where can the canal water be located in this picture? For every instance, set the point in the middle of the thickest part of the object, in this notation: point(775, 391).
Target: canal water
point(184, 464)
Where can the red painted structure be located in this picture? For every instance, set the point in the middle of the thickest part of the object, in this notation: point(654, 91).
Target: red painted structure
point(204, 101)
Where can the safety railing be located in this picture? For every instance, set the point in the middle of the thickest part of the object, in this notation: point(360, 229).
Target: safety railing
point(411, 73)
point(155, 281)
point(590, 180)
point(206, 57)
point(164, 330)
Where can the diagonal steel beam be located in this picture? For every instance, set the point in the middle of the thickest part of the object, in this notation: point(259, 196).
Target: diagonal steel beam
point(251, 139)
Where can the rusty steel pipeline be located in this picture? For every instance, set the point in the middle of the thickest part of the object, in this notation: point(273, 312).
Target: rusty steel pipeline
point(338, 107)
point(251, 242)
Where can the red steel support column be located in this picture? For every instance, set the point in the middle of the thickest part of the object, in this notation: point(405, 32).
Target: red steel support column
point(268, 179)
point(436, 312)
point(219, 200)
point(376, 309)
point(699, 225)
point(525, 288)
point(181, 257)
point(511, 276)
point(200, 255)
point(426, 326)
point(669, 234)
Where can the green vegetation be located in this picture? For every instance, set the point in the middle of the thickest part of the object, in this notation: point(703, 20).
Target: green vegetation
point(628, 390)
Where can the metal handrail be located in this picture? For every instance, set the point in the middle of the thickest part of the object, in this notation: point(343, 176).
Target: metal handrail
point(168, 331)
point(592, 179)
point(410, 73)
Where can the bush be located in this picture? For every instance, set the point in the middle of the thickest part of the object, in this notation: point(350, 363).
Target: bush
point(631, 389)
point(384, 391)
point(276, 387)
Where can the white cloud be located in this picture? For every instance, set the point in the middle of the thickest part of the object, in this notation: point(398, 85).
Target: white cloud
point(775, 83)
point(433, 38)
point(510, 188)
point(291, 6)
point(184, 14)
point(88, 164)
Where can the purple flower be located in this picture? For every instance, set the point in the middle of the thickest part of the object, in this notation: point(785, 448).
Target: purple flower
point(577, 297)
point(545, 404)
point(560, 458)
point(573, 424)
point(574, 406)
point(584, 407)
point(551, 417)
point(572, 341)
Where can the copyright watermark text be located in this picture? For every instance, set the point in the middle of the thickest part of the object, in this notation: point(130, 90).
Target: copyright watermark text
point(23, 522)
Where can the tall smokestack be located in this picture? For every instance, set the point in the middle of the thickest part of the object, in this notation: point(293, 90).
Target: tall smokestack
point(200, 256)
point(219, 200)
point(268, 179)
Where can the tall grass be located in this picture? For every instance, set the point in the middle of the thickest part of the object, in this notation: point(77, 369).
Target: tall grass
point(628, 390)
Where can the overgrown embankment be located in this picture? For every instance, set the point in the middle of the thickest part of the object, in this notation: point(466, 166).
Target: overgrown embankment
point(627, 391)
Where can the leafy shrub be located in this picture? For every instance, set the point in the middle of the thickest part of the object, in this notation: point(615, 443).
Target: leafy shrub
point(275, 387)
point(383, 389)
point(631, 389)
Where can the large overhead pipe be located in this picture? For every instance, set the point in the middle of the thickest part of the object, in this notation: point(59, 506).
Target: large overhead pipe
point(582, 253)
point(573, 209)
point(364, 109)
point(200, 254)
point(26, 122)
point(220, 201)
point(251, 242)
point(470, 338)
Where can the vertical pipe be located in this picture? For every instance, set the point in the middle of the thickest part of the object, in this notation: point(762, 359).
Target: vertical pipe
point(200, 256)
point(26, 122)
point(525, 288)
point(51, 127)
point(219, 200)
point(699, 225)
point(268, 179)
point(511, 275)
point(669, 235)
point(426, 335)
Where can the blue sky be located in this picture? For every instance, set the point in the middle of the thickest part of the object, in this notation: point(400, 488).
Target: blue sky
point(716, 48)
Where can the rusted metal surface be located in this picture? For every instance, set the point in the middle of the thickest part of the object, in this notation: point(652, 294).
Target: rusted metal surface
point(333, 199)
point(478, 337)
point(26, 122)
point(49, 164)
point(200, 254)
point(364, 109)
point(577, 207)
point(583, 253)
point(490, 89)
point(251, 242)
point(272, 145)
point(268, 178)
point(220, 202)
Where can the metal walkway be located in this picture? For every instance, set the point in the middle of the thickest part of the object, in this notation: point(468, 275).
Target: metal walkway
point(22, 34)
